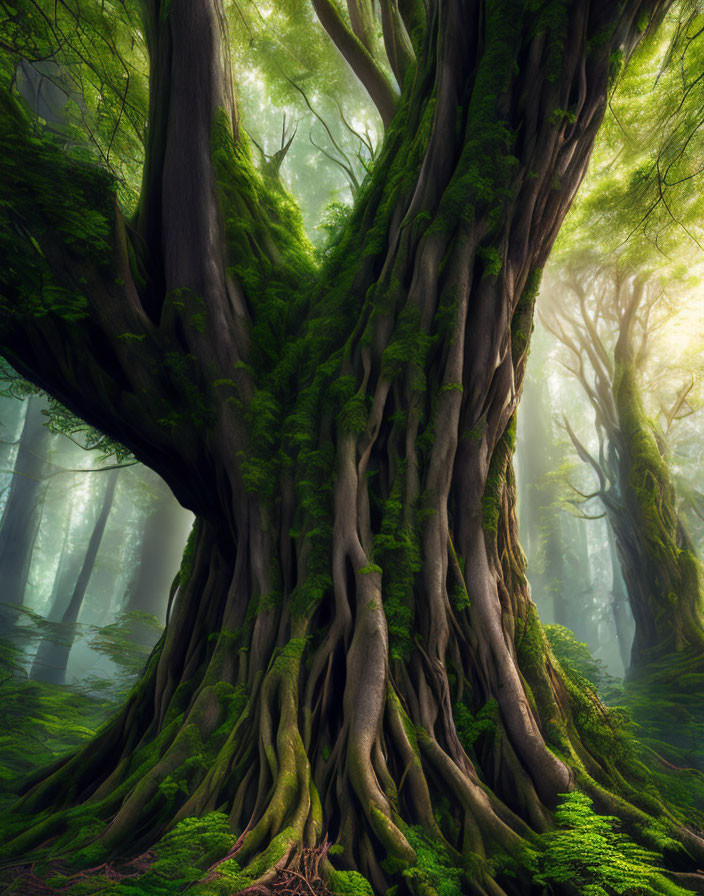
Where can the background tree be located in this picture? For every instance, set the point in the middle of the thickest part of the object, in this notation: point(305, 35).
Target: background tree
point(607, 332)
point(344, 436)
point(23, 509)
point(51, 658)
point(558, 558)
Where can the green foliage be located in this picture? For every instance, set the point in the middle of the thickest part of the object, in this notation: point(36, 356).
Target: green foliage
point(587, 850)
point(119, 643)
point(78, 217)
point(575, 657)
point(651, 728)
point(333, 221)
point(40, 722)
point(470, 727)
point(84, 77)
point(437, 867)
point(60, 420)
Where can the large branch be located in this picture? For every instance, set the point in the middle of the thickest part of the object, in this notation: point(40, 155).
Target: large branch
point(359, 59)
point(361, 16)
point(190, 86)
point(399, 50)
point(71, 320)
point(71, 316)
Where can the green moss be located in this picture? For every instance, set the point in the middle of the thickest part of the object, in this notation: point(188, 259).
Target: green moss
point(575, 658)
point(522, 320)
point(349, 883)
point(496, 478)
point(397, 550)
point(189, 553)
point(552, 20)
point(492, 260)
point(470, 727)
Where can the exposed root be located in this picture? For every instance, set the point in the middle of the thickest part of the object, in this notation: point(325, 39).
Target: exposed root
point(303, 876)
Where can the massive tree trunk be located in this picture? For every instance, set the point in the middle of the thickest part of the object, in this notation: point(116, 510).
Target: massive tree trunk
point(51, 660)
point(354, 584)
point(23, 511)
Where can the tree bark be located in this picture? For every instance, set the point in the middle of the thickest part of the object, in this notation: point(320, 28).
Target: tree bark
point(346, 441)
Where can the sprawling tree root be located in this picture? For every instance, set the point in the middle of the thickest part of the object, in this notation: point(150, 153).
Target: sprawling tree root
point(271, 742)
point(354, 594)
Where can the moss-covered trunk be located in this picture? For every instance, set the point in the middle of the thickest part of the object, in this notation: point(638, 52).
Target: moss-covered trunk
point(353, 596)
point(662, 573)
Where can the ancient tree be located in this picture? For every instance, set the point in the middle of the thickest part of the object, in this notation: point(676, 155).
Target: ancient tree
point(354, 583)
point(607, 318)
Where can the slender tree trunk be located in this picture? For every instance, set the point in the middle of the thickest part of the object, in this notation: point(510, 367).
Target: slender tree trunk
point(619, 605)
point(355, 576)
point(10, 423)
point(581, 585)
point(22, 514)
point(543, 527)
point(51, 660)
point(163, 537)
point(66, 576)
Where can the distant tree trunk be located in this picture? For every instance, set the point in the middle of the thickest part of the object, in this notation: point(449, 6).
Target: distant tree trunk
point(542, 518)
point(22, 515)
point(9, 423)
point(159, 556)
point(581, 587)
point(67, 571)
point(662, 573)
point(51, 659)
point(619, 605)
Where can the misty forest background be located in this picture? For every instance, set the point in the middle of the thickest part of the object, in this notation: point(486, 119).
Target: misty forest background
point(91, 541)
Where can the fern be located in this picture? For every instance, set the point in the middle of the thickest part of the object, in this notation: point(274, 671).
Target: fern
point(587, 850)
